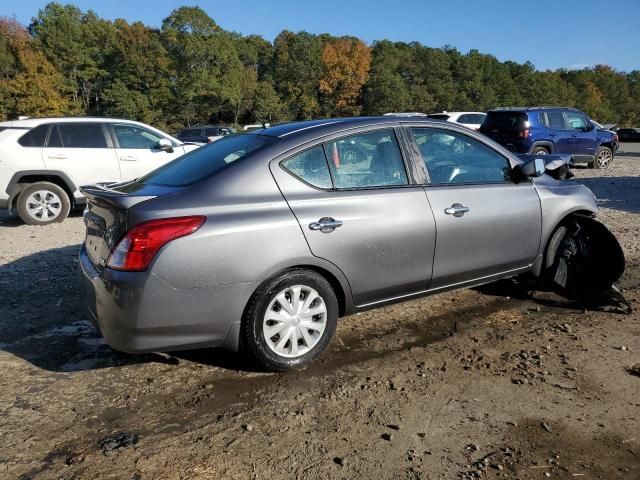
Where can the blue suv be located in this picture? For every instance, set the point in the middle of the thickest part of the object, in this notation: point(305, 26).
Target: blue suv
point(543, 130)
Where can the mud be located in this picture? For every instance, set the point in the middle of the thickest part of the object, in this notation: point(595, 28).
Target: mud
point(487, 383)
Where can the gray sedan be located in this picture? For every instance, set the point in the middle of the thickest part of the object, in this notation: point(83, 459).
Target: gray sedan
point(264, 239)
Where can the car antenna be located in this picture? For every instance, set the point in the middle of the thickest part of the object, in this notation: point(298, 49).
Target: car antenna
point(262, 122)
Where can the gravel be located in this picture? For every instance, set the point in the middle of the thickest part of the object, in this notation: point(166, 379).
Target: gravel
point(439, 368)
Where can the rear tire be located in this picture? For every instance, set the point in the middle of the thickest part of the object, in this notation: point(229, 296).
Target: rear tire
point(42, 203)
point(300, 310)
point(602, 158)
point(540, 151)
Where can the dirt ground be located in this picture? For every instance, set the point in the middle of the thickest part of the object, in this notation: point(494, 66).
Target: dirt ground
point(458, 385)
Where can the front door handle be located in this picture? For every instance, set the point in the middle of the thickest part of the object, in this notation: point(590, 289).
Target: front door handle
point(325, 225)
point(457, 210)
point(57, 156)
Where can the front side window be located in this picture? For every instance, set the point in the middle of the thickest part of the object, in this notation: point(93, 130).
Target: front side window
point(367, 160)
point(34, 137)
point(577, 121)
point(311, 167)
point(454, 158)
point(132, 136)
point(77, 135)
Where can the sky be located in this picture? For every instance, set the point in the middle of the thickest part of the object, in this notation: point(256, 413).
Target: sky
point(549, 33)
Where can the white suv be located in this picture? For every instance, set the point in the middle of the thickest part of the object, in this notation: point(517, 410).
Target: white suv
point(43, 161)
point(471, 120)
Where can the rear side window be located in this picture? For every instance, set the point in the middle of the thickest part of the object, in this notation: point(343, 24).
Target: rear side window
point(34, 137)
point(77, 135)
point(555, 120)
point(371, 159)
point(205, 161)
point(311, 167)
point(505, 121)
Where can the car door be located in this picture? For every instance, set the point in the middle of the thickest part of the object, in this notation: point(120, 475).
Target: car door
point(363, 216)
point(137, 150)
point(558, 133)
point(83, 151)
point(487, 225)
point(583, 135)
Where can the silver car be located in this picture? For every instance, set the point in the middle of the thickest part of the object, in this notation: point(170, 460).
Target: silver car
point(264, 239)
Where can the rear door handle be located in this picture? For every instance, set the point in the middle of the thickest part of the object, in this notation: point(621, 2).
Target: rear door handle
point(128, 158)
point(325, 225)
point(57, 156)
point(457, 210)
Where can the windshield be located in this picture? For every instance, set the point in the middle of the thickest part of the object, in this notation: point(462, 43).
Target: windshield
point(205, 161)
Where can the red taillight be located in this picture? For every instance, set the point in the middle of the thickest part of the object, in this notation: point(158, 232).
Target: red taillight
point(523, 133)
point(136, 249)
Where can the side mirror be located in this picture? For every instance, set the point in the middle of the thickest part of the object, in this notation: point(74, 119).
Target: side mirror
point(165, 145)
point(534, 168)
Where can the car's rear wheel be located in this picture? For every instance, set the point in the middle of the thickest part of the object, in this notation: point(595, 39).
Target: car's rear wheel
point(290, 320)
point(42, 203)
point(602, 158)
point(540, 151)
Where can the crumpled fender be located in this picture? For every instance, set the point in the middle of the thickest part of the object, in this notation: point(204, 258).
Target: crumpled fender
point(583, 259)
point(556, 165)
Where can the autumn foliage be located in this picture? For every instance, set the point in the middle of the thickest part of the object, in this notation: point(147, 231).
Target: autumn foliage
point(192, 71)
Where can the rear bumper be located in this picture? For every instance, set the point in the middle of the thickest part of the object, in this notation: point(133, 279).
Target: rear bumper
point(139, 312)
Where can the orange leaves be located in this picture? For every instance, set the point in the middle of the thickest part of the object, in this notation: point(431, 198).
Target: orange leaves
point(345, 63)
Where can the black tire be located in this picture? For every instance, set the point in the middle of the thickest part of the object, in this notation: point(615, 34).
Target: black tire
point(62, 203)
point(603, 158)
point(539, 150)
point(252, 336)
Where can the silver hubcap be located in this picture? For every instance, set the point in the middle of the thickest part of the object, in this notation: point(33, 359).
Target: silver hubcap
point(541, 152)
point(295, 321)
point(43, 205)
point(350, 156)
point(604, 158)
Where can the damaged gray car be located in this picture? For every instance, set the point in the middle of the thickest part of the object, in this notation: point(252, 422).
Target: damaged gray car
point(263, 240)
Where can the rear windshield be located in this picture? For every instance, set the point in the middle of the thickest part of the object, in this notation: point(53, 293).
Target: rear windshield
point(505, 120)
point(439, 116)
point(205, 161)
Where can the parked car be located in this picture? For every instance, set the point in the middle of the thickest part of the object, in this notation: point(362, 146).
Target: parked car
point(471, 120)
point(205, 134)
point(543, 130)
point(264, 239)
point(43, 161)
point(629, 134)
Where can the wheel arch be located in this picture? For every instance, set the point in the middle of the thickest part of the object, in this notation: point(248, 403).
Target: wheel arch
point(542, 143)
point(23, 178)
point(578, 212)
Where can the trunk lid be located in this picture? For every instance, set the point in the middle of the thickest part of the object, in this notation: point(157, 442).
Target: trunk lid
point(106, 212)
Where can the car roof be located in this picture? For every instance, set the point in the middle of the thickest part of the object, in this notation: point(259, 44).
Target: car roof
point(329, 125)
point(526, 109)
point(457, 113)
point(34, 122)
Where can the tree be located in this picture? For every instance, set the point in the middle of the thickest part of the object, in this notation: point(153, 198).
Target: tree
point(204, 57)
point(31, 85)
point(346, 63)
point(297, 70)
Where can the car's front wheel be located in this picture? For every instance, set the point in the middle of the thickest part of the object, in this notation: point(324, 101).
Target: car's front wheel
point(602, 158)
point(290, 320)
point(42, 203)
